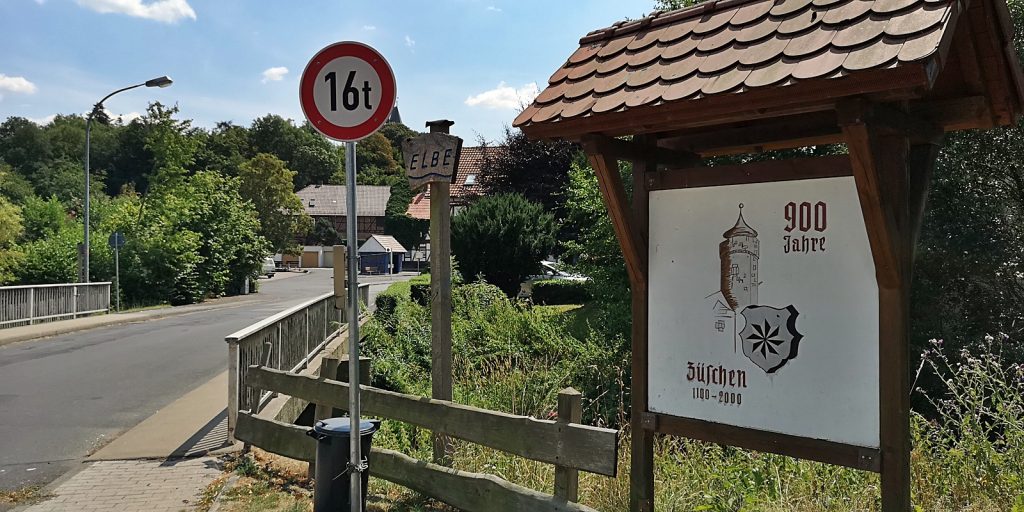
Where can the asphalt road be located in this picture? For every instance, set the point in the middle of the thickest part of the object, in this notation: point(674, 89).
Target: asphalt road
point(61, 398)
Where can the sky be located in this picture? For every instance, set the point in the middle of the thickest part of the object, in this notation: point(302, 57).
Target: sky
point(472, 61)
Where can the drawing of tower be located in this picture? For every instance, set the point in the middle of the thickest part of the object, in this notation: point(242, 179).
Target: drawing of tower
point(739, 254)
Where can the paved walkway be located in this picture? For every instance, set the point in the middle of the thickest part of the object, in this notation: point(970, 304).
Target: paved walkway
point(134, 486)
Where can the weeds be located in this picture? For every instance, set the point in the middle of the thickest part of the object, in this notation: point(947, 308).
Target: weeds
point(514, 359)
point(24, 495)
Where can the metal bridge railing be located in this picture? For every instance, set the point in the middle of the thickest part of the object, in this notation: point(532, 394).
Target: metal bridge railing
point(286, 341)
point(32, 304)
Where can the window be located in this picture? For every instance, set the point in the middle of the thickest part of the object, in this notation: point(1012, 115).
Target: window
point(471, 179)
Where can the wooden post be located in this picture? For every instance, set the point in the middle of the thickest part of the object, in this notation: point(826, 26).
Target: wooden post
point(364, 370)
point(340, 280)
point(328, 370)
point(570, 410)
point(892, 183)
point(641, 495)
point(630, 224)
point(441, 297)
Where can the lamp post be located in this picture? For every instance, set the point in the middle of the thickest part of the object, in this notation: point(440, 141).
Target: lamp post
point(163, 81)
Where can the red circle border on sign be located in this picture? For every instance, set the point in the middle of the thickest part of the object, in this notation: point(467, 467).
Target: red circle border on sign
point(383, 110)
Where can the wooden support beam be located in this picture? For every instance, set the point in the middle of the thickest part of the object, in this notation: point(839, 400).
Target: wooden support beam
point(892, 182)
point(958, 114)
point(867, 459)
point(621, 149)
point(879, 167)
point(641, 484)
point(606, 166)
point(922, 164)
point(813, 129)
point(757, 172)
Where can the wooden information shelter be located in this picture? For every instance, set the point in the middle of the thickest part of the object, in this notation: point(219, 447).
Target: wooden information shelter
point(887, 78)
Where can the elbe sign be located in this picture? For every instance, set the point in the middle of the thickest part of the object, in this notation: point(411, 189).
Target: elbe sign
point(347, 91)
point(432, 157)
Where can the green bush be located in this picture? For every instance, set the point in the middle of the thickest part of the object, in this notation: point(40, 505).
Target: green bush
point(386, 304)
point(557, 291)
point(502, 238)
point(420, 294)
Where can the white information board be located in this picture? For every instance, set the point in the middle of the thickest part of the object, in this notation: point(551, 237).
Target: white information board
point(763, 309)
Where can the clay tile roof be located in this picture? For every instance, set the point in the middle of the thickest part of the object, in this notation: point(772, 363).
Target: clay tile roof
point(467, 185)
point(727, 53)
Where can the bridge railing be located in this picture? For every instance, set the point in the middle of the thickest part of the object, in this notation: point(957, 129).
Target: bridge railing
point(287, 341)
point(32, 304)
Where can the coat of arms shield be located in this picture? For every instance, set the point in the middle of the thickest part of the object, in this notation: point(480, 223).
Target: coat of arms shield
point(770, 338)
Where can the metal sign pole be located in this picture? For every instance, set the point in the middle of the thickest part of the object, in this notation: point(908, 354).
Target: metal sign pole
point(356, 466)
point(117, 278)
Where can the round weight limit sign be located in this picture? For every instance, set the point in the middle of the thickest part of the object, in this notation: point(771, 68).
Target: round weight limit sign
point(347, 91)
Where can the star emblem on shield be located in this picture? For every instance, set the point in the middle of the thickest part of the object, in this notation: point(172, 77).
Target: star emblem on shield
point(770, 338)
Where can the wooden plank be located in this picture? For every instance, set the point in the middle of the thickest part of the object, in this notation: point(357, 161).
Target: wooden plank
point(641, 463)
point(813, 129)
point(957, 114)
point(441, 296)
point(467, 491)
point(857, 457)
point(922, 164)
point(870, 154)
point(570, 410)
point(757, 172)
point(894, 396)
point(881, 169)
point(632, 150)
point(634, 250)
point(582, 447)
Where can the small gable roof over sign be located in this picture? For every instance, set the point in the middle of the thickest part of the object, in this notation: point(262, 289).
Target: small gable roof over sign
point(381, 243)
point(725, 60)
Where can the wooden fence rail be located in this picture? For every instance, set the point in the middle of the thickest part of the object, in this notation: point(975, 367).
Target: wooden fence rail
point(568, 445)
point(461, 489)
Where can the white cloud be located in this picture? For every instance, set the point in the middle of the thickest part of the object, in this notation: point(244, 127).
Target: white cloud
point(505, 97)
point(166, 11)
point(369, 27)
point(274, 74)
point(410, 42)
point(493, 8)
point(16, 84)
point(43, 121)
point(124, 118)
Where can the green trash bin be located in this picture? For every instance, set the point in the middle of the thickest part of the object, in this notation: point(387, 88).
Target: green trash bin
point(331, 491)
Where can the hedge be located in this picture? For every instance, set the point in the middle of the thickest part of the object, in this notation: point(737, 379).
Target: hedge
point(557, 291)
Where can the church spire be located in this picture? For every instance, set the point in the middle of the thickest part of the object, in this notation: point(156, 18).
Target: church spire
point(741, 228)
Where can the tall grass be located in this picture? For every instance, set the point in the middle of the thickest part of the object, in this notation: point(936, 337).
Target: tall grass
point(970, 457)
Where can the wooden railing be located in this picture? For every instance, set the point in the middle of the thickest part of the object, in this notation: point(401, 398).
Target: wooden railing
point(32, 304)
point(568, 445)
point(286, 341)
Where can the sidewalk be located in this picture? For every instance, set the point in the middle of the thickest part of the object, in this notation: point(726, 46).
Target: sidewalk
point(134, 486)
point(44, 330)
point(148, 468)
point(30, 332)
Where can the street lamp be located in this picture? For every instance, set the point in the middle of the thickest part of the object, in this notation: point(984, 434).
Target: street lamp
point(163, 81)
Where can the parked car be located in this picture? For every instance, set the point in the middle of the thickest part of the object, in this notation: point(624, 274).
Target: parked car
point(269, 267)
point(549, 270)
